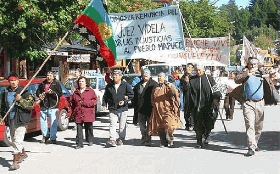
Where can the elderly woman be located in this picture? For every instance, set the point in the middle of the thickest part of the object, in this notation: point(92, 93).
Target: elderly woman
point(165, 117)
point(83, 102)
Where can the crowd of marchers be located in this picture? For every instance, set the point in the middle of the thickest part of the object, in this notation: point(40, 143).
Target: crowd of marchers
point(157, 106)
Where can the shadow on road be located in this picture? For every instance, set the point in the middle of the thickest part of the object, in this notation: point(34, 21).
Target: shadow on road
point(4, 162)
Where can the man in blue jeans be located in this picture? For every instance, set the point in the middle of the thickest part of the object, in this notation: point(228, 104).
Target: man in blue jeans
point(48, 93)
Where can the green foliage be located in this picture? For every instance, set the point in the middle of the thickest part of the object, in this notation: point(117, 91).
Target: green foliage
point(27, 25)
point(120, 6)
point(204, 20)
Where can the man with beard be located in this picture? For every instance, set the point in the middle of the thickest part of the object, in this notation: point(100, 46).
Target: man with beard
point(142, 103)
point(202, 101)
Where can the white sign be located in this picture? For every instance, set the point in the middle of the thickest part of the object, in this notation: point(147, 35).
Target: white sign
point(56, 53)
point(79, 58)
point(56, 69)
point(206, 51)
point(249, 50)
point(148, 34)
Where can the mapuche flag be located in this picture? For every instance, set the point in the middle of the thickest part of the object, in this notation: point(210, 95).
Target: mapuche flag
point(94, 22)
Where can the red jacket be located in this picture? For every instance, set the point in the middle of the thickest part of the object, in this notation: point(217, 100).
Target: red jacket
point(83, 105)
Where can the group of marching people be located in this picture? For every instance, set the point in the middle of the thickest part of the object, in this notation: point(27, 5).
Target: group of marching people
point(156, 106)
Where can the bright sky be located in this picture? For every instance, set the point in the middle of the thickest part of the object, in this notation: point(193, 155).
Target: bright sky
point(242, 3)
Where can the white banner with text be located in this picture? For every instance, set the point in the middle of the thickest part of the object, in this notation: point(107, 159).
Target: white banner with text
point(207, 51)
point(148, 34)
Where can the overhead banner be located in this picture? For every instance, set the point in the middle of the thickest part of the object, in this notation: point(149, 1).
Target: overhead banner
point(249, 50)
point(207, 51)
point(148, 34)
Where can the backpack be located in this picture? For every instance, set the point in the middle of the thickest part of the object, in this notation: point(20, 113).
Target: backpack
point(253, 88)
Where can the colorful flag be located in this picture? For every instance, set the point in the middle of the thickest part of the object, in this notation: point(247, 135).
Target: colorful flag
point(96, 25)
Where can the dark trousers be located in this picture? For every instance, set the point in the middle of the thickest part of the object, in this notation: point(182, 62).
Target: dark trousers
point(88, 132)
point(203, 123)
point(229, 104)
point(188, 118)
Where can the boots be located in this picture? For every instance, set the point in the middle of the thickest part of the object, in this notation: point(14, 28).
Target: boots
point(198, 139)
point(16, 160)
point(23, 155)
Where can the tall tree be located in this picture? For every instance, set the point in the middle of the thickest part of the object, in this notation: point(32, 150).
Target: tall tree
point(27, 25)
point(204, 20)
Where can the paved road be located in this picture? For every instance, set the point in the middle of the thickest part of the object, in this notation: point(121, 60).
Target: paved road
point(225, 153)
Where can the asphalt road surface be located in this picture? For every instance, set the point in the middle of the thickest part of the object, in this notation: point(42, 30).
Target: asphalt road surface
point(224, 154)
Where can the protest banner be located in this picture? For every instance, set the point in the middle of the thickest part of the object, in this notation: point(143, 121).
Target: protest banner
point(148, 34)
point(207, 51)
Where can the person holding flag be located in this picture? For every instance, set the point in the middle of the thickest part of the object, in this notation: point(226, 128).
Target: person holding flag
point(18, 117)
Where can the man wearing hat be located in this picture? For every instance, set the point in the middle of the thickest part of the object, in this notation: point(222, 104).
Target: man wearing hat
point(18, 117)
point(117, 94)
point(142, 103)
point(255, 86)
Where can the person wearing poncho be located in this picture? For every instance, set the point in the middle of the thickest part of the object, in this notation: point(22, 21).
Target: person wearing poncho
point(165, 117)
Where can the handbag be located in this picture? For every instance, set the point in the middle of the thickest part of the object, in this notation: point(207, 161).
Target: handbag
point(214, 88)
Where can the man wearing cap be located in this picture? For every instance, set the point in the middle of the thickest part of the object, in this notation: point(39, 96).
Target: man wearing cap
point(18, 117)
point(202, 101)
point(48, 93)
point(117, 94)
point(255, 86)
point(142, 103)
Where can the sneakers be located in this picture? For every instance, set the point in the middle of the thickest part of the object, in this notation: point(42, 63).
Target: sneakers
point(111, 143)
point(250, 152)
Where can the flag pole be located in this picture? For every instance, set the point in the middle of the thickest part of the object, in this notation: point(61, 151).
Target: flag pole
point(35, 74)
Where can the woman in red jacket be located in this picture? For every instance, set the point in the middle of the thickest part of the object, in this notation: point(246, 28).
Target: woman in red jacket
point(83, 102)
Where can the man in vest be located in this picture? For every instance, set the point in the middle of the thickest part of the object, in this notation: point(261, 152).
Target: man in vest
point(253, 102)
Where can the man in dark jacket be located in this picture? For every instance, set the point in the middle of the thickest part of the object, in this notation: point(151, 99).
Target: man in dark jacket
point(185, 87)
point(48, 93)
point(202, 101)
point(18, 117)
point(117, 94)
point(142, 103)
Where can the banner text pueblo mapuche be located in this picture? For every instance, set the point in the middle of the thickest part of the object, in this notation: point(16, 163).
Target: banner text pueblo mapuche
point(127, 37)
